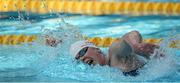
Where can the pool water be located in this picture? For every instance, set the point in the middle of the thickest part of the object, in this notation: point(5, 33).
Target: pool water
point(38, 62)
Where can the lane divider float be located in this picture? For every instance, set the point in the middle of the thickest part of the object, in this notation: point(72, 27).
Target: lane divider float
point(99, 41)
point(91, 7)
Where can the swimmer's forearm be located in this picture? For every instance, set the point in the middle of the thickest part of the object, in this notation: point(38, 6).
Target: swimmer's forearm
point(53, 42)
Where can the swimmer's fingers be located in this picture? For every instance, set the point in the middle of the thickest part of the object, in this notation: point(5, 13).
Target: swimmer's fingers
point(149, 48)
point(146, 49)
point(158, 54)
point(53, 42)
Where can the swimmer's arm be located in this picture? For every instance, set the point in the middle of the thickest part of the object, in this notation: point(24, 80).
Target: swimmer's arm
point(121, 49)
point(52, 42)
point(119, 53)
point(123, 56)
point(147, 50)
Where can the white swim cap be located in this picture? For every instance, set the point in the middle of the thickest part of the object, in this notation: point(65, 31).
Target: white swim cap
point(78, 46)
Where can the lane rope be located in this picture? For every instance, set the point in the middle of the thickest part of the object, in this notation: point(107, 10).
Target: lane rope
point(99, 41)
point(91, 7)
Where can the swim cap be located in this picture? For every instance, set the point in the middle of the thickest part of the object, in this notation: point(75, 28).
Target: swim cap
point(78, 46)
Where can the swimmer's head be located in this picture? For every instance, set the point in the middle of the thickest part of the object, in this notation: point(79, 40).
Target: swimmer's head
point(87, 52)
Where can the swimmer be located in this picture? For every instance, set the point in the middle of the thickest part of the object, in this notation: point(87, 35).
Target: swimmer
point(129, 53)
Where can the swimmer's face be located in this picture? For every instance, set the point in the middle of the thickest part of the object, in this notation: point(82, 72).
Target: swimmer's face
point(91, 55)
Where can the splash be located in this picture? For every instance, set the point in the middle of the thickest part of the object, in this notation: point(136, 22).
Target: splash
point(32, 58)
point(157, 69)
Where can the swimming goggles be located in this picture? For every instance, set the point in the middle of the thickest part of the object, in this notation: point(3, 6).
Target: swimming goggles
point(82, 53)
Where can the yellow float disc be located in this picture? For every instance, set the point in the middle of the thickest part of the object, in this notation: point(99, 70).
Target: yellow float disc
point(99, 41)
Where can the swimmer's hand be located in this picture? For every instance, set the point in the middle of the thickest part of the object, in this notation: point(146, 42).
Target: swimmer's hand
point(158, 53)
point(53, 42)
point(150, 50)
point(146, 49)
